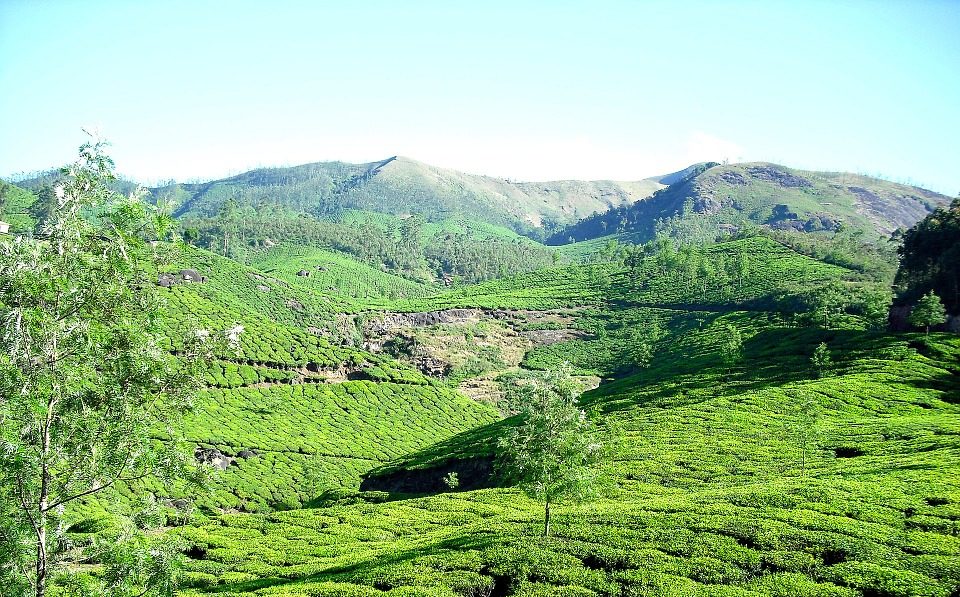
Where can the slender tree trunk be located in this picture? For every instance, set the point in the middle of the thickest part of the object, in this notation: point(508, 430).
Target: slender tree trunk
point(41, 558)
point(42, 507)
point(546, 519)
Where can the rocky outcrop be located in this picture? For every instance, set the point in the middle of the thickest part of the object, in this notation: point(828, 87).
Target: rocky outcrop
point(545, 337)
point(184, 276)
point(394, 321)
point(213, 457)
point(780, 177)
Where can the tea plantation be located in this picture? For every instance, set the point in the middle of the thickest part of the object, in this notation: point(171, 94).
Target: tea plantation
point(746, 476)
point(711, 493)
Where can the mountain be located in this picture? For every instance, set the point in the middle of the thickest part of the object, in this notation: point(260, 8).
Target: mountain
point(707, 199)
point(400, 186)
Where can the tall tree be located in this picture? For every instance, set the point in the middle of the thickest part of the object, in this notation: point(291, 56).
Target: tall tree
point(929, 311)
point(82, 377)
point(930, 259)
point(820, 359)
point(554, 452)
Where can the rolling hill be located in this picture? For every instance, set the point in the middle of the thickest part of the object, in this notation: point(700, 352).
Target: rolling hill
point(400, 185)
point(709, 199)
point(761, 478)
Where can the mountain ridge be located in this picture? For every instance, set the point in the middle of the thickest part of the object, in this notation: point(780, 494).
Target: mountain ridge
point(715, 198)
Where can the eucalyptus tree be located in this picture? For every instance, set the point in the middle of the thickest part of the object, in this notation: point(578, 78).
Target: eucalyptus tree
point(554, 452)
point(84, 383)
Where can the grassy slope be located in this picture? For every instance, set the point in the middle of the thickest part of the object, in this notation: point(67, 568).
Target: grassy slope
point(401, 185)
point(709, 496)
point(318, 413)
point(747, 193)
point(771, 267)
point(16, 206)
point(340, 275)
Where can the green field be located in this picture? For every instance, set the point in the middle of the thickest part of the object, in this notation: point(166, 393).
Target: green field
point(709, 495)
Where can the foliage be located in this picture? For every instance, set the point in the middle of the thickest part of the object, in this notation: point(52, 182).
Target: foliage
point(930, 259)
point(821, 359)
point(15, 207)
point(82, 375)
point(712, 495)
point(731, 351)
point(929, 311)
point(553, 453)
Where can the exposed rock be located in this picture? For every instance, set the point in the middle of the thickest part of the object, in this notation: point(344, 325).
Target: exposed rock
point(178, 504)
point(303, 273)
point(822, 222)
point(545, 337)
point(734, 178)
point(784, 179)
point(706, 205)
point(295, 305)
point(268, 243)
point(263, 288)
point(247, 454)
point(782, 212)
point(213, 457)
point(431, 365)
point(321, 268)
point(191, 275)
point(393, 321)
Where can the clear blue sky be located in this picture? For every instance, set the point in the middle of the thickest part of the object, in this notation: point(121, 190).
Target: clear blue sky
point(527, 90)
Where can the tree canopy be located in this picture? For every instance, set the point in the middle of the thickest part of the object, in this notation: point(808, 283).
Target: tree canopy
point(552, 454)
point(84, 383)
point(930, 259)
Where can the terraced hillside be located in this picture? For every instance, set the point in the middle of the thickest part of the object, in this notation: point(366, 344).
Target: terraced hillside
point(761, 476)
point(297, 411)
point(332, 274)
point(761, 481)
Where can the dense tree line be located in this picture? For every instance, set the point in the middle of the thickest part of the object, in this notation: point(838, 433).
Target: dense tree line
point(930, 259)
point(398, 245)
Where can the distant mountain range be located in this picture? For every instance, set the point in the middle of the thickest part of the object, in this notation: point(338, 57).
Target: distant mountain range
point(400, 186)
point(705, 198)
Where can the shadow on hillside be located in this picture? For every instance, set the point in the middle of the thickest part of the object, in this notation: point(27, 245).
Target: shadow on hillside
point(468, 541)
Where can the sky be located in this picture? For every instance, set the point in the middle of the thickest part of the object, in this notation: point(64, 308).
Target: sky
point(523, 90)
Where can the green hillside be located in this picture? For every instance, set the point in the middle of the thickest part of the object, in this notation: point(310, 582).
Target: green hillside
point(15, 204)
point(329, 273)
point(354, 392)
point(710, 497)
point(713, 199)
point(400, 185)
